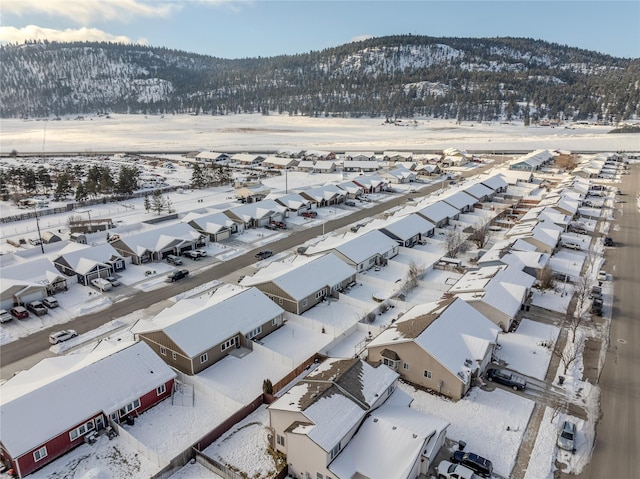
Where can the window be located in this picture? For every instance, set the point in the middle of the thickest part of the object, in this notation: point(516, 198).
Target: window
point(321, 293)
point(229, 343)
point(280, 301)
point(280, 440)
point(160, 390)
point(254, 333)
point(304, 303)
point(371, 261)
point(319, 475)
point(203, 358)
point(40, 454)
point(130, 407)
point(405, 366)
point(81, 430)
point(389, 363)
point(427, 374)
point(274, 321)
point(175, 356)
point(163, 350)
point(335, 451)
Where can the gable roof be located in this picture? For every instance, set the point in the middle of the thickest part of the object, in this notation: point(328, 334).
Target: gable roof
point(60, 392)
point(408, 226)
point(478, 190)
point(438, 211)
point(303, 276)
point(495, 182)
point(257, 210)
point(161, 238)
point(39, 270)
point(211, 223)
point(356, 248)
point(460, 200)
point(78, 256)
point(215, 318)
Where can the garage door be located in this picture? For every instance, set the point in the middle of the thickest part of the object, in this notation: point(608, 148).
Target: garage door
point(223, 235)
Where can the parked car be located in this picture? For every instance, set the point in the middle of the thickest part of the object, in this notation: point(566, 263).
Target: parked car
point(571, 245)
point(507, 378)
point(567, 437)
point(357, 227)
point(173, 259)
point(35, 241)
point(449, 470)
point(176, 275)
point(192, 255)
point(113, 280)
point(50, 302)
point(596, 292)
point(310, 214)
point(602, 275)
point(200, 252)
point(19, 312)
point(366, 199)
point(102, 284)
point(271, 226)
point(350, 203)
point(264, 254)
point(608, 241)
point(279, 224)
point(596, 306)
point(5, 316)
point(37, 308)
point(64, 335)
point(478, 464)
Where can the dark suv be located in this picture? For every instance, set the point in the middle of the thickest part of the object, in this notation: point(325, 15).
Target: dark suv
point(478, 464)
point(264, 254)
point(176, 275)
point(507, 378)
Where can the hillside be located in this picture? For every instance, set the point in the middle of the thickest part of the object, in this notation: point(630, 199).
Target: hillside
point(397, 76)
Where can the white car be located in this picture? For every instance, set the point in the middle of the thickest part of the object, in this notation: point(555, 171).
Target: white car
point(59, 336)
point(102, 284)
point(602, 275)
point(113, 280)
point(449, 470)
point(5, 316)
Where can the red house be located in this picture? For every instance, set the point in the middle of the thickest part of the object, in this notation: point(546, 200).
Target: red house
point(49, 409)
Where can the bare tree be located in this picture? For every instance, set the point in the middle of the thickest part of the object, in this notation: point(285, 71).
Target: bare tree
point(545, 278)
point(567, 356)
point(481, 233)
point(412, 278)
point(455, 243)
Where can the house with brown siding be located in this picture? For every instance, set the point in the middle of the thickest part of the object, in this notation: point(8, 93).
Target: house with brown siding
point(196, 333)
point(300, 284)
point(439, 346)
point(48, 410)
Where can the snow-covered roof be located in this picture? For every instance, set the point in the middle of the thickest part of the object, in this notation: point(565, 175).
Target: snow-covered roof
point(279, 161)
point(389, 443)
point(369, 181)
point(211, 223)
point(39, 270)
point(60, 392)
point(304, 275)
point(460, 200)
point(75, 254)
point(324, 193)
point(408, 226)
point(478, 190)
point(161, 238)
point(350, 187)
point(533, 159)
point(216, 318)
point(257, 210)
point(365, 246)
point(494, 182)
point(438, 211)
point(293, 201)
point(335, 397)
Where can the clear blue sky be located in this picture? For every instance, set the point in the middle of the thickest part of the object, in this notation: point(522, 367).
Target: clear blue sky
point(239, 28)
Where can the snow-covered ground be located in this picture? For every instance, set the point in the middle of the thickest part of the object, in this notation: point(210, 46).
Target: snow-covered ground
point(491, 422)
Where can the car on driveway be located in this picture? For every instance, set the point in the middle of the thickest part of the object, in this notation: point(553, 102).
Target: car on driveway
point(309, 214)
point(478, 464)
point(173, 259)
point(191, 254)
point(567, 437)
point(64, 335)
point(50, 302)
point(102, 284)
point(176, 275)
point(507, 378)
point(19, 312)
point(596, 306)
point(571, 245)
point(279, 224)
point(264, 254)
point(449, 470)
point(602, 275)
point(5, 316)
point(113, 280)
point(37, 308)
point(200, 252)
point(350, 203)
point(608, 241)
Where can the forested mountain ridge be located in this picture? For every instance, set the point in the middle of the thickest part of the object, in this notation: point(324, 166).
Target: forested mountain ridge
point(484, 79)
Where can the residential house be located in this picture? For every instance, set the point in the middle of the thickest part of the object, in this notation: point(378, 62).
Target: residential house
point(326, 166)
point(439, 346)
point(362, 252)
point(496, 182)
point(480, 192)
point(326, 195)
point(460, 200)
point(306, 165)
point(397, 156)
point(40, 271)
point(252, 193)
point(360, 156)
point(48, 410)
point(257, 215)
point(156, 244)
point(294, 202)
point(352, 189)
point(346, 419)
point(439, 213)
point(17, 292)
point(300, 284)
point(408, 230)
point(513, 177)
point(216, 226)
point(196, 333)
point(427, 169)
point(498, 292)
point(399, 175)
point(319, 155)
point(361, 166)
point(89, 262)
point(532, 161)
point(371, 183)
point(213, 157)
point(279, 162)
point(543, 235)
point(247, 159)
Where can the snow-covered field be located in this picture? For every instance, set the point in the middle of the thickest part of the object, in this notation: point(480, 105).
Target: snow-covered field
point(491, 422)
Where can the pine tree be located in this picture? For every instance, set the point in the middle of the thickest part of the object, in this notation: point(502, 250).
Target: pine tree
point(147, 203)
point(198, 178)
point(157, 202)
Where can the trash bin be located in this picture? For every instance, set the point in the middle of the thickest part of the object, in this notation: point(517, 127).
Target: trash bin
point(130, 421)
point(561, 380)
point(461, 445)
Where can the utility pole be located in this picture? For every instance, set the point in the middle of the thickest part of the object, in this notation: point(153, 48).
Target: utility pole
point(35, 210)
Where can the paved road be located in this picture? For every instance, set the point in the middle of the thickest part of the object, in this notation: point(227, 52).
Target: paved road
point(617, 445)
point(27, 351)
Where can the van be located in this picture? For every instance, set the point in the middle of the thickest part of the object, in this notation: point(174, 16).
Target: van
point(102, 284)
